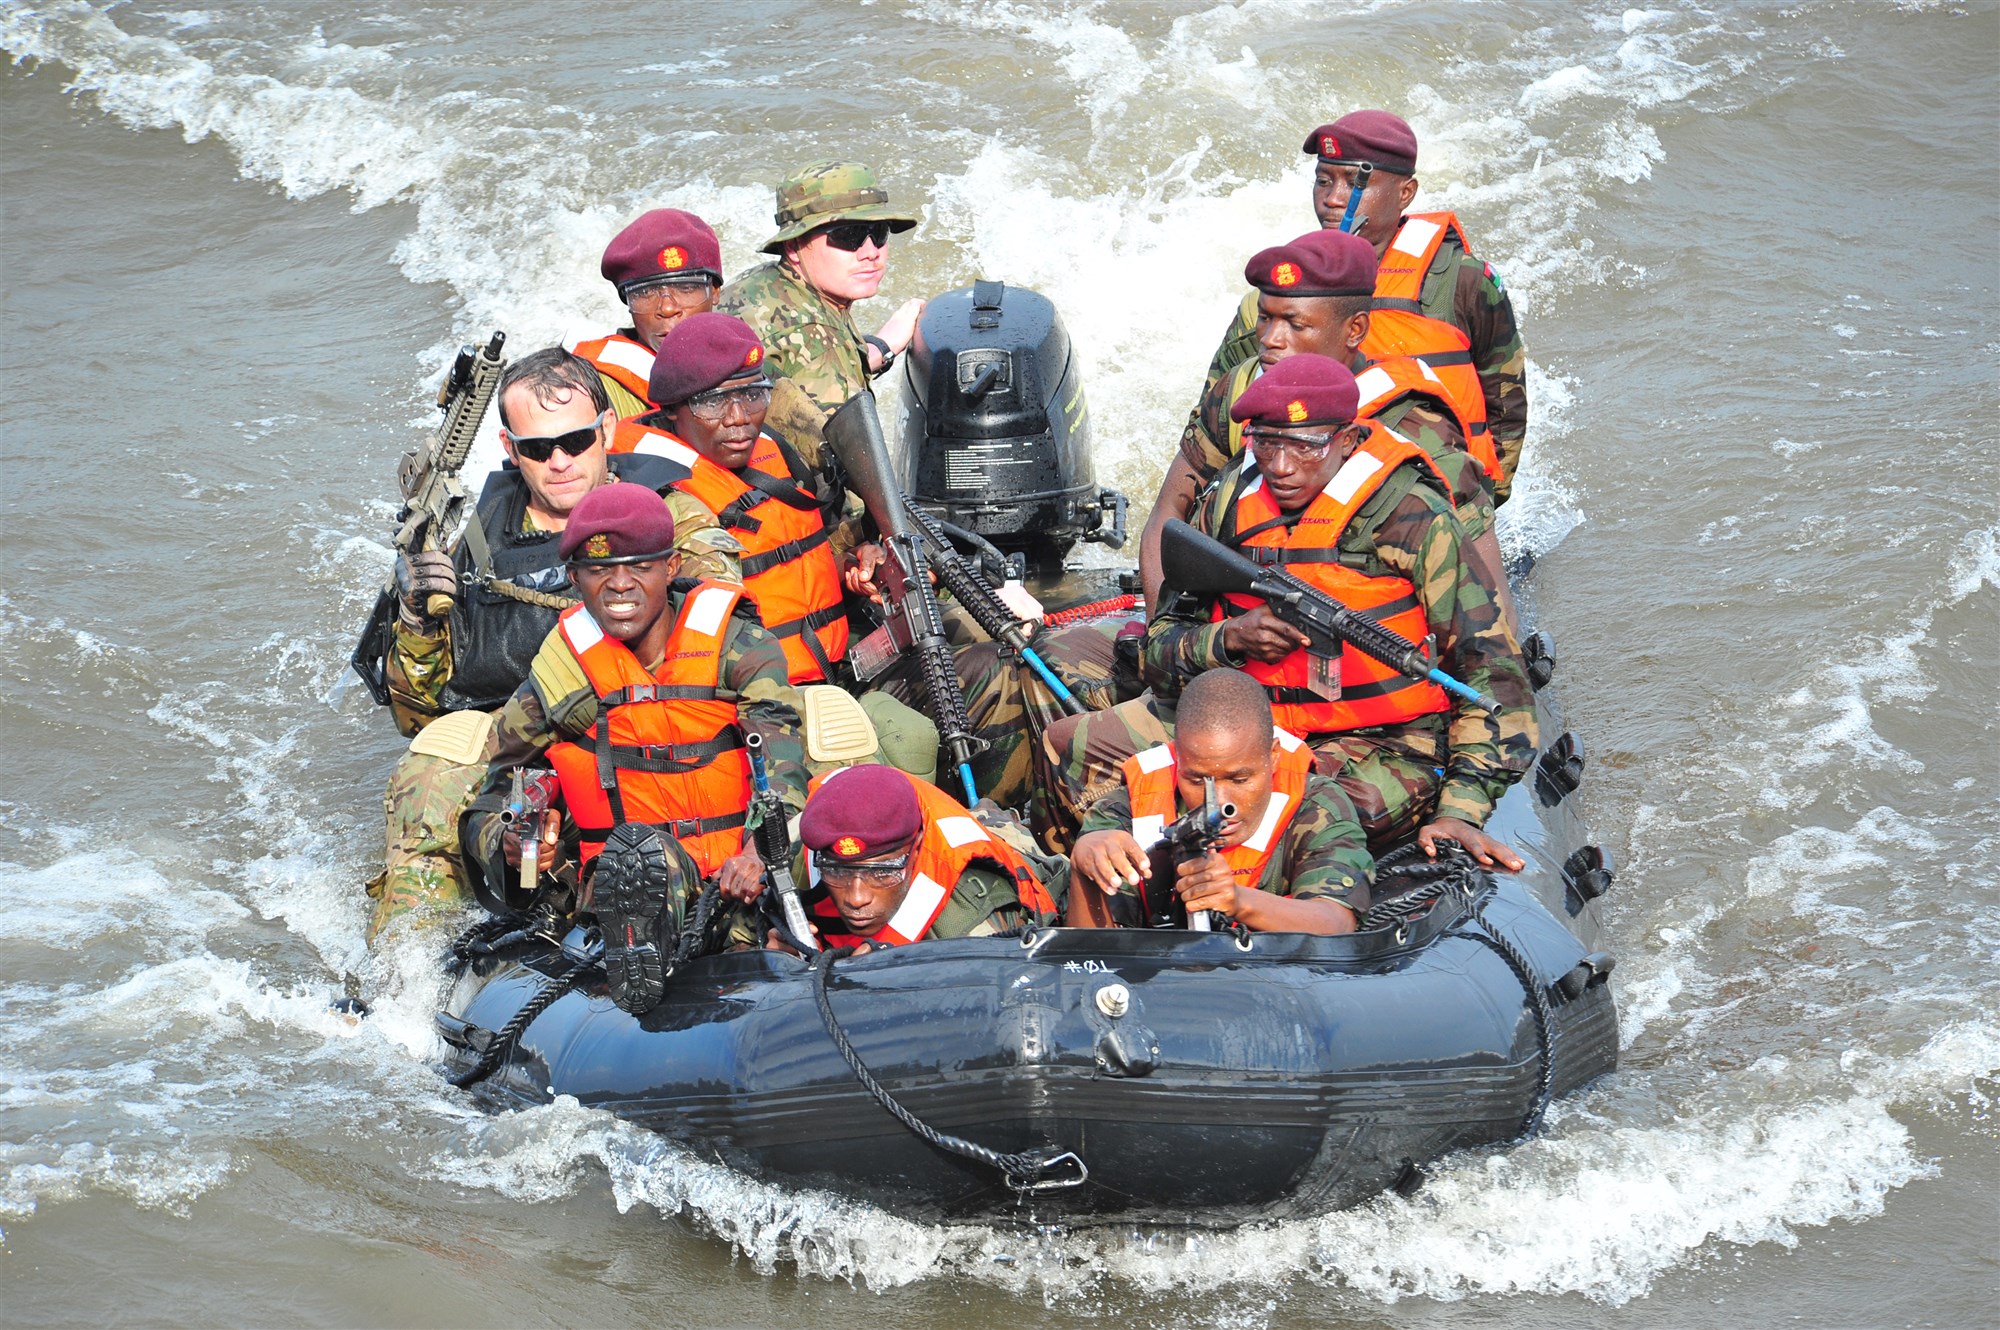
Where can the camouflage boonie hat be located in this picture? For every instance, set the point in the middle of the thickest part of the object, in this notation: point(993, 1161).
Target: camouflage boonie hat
point(828, 192)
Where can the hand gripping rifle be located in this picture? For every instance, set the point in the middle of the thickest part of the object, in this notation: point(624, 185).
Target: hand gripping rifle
point(1196, 563)
point(774, 845)
point(1190, 836)
point(974, 592)
point(434, 496)
point(912, 620)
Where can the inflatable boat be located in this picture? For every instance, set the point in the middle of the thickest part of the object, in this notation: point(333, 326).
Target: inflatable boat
point(1091, 1076)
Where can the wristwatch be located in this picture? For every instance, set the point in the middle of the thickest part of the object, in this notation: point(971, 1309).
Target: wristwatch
point(888, 356)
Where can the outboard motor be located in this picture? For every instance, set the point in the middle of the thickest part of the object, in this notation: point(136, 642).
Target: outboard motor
point(997, 436)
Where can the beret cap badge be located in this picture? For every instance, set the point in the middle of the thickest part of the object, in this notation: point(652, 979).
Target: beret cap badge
point(1285, 274)
point(847, 847)
point(673, 258)
point(1295, 411)
point(598, 547)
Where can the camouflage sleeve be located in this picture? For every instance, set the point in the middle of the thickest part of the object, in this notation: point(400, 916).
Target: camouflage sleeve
point(707, 550)
point(1205, 441)
point(1181, 642)
point(1113, 812)
point(1325, 854)
point(1422, 541)
point(418, 668)
point(1482, 307)
point(1436, 431)
point(755, 674)
point(623, 400)
point(1238, 344)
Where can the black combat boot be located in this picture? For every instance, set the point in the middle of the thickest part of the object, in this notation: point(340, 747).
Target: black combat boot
point(629, 886)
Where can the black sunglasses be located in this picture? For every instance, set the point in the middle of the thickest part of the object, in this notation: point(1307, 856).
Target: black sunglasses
point(540, 448)
point(851, 236)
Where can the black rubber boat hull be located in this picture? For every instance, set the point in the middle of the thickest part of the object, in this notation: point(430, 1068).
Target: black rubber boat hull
point(1291, 1076)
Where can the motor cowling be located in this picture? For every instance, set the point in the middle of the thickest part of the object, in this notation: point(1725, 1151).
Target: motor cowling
point(996, 438)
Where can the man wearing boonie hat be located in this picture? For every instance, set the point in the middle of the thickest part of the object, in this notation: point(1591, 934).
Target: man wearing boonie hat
point(1314, 296)
point(895, 860)
point(681, 673)
point(665, 265)
point(448, 674)
point(834, 223)
point(1361, 513)
point(1434, 299)
point(710, 381)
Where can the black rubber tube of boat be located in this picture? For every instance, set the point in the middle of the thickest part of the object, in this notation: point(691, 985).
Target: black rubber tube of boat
point(1021, 1170)
point(1538, 1006)
point(510, 1033)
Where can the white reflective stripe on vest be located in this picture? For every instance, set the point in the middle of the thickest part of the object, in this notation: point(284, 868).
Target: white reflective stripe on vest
point(913, 918)
point(711, 607)
point(1416, 236)
point(581, 631)
point(1156, 757)
point(659, 445)
point(628, 356)
point(960, 831)
point(1274, 813)
point(1147, 830)
point(1355, 472)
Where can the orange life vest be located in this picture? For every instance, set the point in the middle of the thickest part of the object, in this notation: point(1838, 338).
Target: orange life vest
point(1387, 382)
point(1398, 326)
point(624, 361)
point(1305, 544)
point(1149, 782)
point(952, 841)
point(666, 749)
point(788, 566)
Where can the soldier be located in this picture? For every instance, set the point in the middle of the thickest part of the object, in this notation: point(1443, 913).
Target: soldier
point(900, 861)
point(665, 266)
point(1361, 514)
point(1292, 858)
point(1433, 299)
point(506, 585)
point(1313, 296)
point(834, 224)
point(641, 697)
point(778, 501)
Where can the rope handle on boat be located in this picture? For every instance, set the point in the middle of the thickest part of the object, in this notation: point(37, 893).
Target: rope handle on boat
point(503, 1041)
point(1043, 1169)
point(1538, 1005)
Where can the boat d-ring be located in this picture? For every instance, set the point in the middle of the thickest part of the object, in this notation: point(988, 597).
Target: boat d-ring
point(1244, 940)
point(1402, 933)
point(1075, 1174)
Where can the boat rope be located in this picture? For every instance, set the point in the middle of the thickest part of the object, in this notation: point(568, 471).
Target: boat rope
point(1538, 1005)
point(1022, 1172)
point(489, 935)
point(1095, 609)
point(510, 1034)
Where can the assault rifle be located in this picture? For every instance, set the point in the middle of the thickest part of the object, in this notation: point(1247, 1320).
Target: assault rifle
point(912, 621)
point(1190, 836)
point(774, 845)
point(528, 801)
point(1361, 174)
point(1192, 562)
point(433, 498)
point(974, 592)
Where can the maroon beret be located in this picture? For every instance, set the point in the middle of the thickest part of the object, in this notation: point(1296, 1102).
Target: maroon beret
point(703, 351)
point(1299, 390)
point(662, 244)
point(861, 812)
point(1319, 263)
point(618, 523)
point(1384, 141)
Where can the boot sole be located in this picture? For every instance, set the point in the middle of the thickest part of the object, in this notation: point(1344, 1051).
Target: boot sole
point(628, 904)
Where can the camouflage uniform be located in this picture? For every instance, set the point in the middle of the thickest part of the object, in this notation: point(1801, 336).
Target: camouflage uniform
point(1455, 763)
point(1322, 856)
point(557, 702)
point(809, 339)
point(1465, 292)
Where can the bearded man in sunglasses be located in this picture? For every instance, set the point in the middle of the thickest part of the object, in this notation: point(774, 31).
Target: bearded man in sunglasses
point(834, 223)
point(1363, 514)
point(500, 589)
